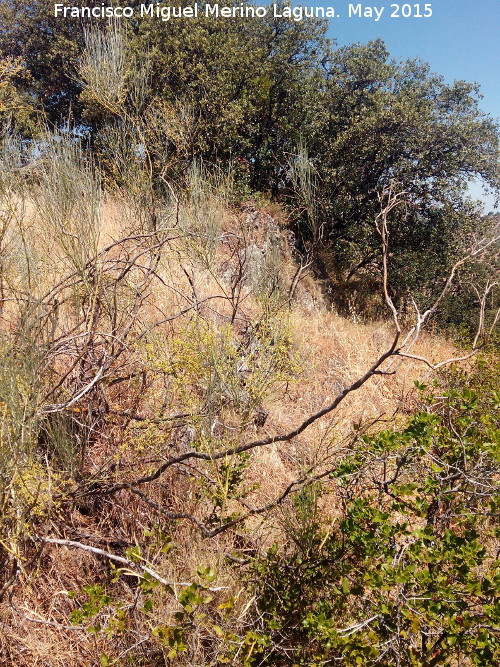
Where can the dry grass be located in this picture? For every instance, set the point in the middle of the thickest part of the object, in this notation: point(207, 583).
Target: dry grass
point(333, 351)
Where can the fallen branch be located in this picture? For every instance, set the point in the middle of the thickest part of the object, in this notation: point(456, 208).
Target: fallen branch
point(123, 561)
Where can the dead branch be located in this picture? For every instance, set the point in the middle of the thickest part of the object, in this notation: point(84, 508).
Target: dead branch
point(389, 199)
point(131, 565)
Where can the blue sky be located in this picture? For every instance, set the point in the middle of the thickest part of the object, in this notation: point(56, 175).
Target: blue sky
point(460, 41)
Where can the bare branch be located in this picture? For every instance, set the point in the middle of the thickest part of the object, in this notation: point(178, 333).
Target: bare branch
point(123, 561)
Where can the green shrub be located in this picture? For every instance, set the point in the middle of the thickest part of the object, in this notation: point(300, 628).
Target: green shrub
point(409, 574)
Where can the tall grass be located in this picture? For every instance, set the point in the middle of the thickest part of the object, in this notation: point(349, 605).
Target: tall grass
point(68, 197)
point(102, 66)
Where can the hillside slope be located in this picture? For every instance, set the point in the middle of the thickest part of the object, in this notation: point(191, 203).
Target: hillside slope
point(131, 354)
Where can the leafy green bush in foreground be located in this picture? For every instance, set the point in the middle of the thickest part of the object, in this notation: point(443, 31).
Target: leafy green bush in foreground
point(409, 575)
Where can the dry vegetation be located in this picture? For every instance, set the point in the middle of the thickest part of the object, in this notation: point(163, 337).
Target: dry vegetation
point(151, 365)
point(225, 433)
